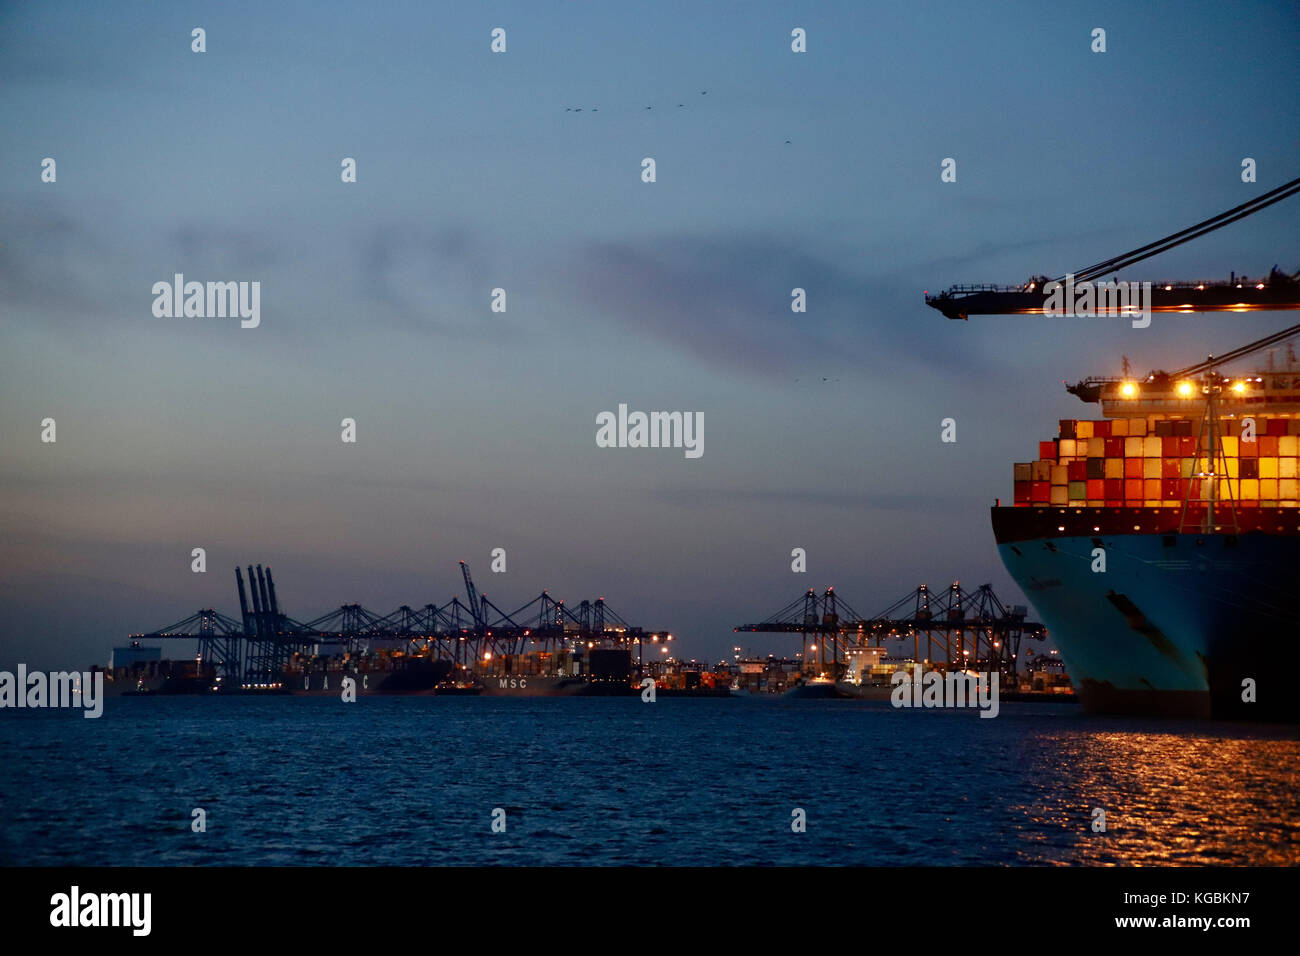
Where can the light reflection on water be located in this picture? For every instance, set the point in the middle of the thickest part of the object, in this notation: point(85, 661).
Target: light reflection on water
point(413, 781)
point(1169, 798)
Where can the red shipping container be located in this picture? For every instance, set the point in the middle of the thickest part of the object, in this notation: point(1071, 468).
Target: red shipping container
point(1246, 503)
point(1171, 468)
point(1268, 446)
point(1077, 471)
point(1248, 449)
point(1022, 492)
point(1171, 488)
point(1132, 468)
point(1096, 489)
point(1169, 446)
point(1067, 427)
point(1047, 450)
point(1133, 489)
point(1040, 491)
point(1114, 502)
point(1114, 488)
point(1114, 448)
point(1101, 429)
point(1186, 447)
point(1276, 427)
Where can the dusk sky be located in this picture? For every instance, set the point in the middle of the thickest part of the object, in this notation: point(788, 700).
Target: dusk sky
point(476, 429)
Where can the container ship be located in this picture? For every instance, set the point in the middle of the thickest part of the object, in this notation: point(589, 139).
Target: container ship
point(1160, 543)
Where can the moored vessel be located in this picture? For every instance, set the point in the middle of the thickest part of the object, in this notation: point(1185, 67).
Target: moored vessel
point(1160, 545)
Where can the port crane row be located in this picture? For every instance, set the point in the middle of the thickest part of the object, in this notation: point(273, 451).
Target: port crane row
point(970, 630)
point(1279, 291)
point(255, 650)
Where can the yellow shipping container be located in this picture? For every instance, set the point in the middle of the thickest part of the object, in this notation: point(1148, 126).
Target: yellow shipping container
point(1151, 467)
point(1083, 429)
point(1119, 428)
point(1152, 447)
point(1268, 468)
point(1186, 467)
point(1268, 488)
point(1059, 494)
point(1173, 503)
point(1288, 488)
point(1287, 446)
point(1137, 426)
point(1229, 445)
point(1132, 447)
point(1234, 467)
point(1249, 489)
point(1066, 448)
point(1227, 489)
point(1096, 447)
point(1288, 504)
point(1152, 503)
point(1286, 468)
point(1114, 468)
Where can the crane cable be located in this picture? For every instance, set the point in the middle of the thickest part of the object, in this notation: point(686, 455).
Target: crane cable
point(1191, 232)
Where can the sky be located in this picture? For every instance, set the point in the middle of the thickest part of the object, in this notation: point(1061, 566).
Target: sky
point(476, 429)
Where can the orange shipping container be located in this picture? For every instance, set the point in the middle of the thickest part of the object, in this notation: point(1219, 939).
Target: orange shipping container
point(1133, 467)
point(1114, 468)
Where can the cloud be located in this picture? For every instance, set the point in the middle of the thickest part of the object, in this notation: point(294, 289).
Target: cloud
point(726, 299)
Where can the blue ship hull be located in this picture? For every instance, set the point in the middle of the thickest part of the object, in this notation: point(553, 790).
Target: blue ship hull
point(1177, 623)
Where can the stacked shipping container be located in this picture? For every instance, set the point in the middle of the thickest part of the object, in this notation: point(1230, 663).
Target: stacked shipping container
point(1151, 463)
